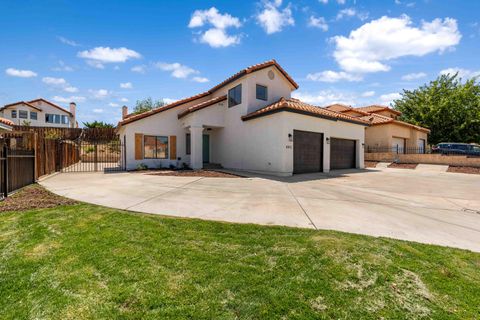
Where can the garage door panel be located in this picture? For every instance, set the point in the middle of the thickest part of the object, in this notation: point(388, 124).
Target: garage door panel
point(342, 154)
point(307, 151)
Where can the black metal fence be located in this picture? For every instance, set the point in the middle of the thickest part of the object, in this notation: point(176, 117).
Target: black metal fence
point(17, 169)
point(421, 150)
point(87, 156)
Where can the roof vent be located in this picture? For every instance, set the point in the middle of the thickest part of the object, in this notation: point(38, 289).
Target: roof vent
point(271, 75)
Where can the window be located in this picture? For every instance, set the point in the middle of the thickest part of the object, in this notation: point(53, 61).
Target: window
point(33, 116)
point(22, 114)
point(49, 118)
point(235, 96)
point(155, 147)
point(14, 114)
point(64, 119)
point(188, 145)
point(262, 92)
point(57, 118)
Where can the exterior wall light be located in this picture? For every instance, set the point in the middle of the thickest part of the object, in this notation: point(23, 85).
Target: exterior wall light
point(290, 137)
point(327, 139)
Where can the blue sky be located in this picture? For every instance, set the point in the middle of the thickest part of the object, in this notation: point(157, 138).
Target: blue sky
point(105, 54)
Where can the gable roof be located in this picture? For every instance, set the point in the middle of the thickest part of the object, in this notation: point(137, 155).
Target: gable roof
point(52, 104)
point(338, 107)
point(378, 119)
point(236, 76)
point(297, 106)
point(377, 108)
point(19, 103)
point(202, 105)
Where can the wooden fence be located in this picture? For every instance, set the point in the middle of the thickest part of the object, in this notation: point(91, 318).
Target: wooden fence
point(17, 168)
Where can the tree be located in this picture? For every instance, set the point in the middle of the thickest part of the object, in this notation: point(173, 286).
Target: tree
point(147, 105)
point(98, 124)
point(447, 106)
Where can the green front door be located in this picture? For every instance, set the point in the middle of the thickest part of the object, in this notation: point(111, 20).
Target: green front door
point(206, 148)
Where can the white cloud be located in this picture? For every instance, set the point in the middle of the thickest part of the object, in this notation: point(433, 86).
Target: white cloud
point(61, 99)
point(96, 64)
point(139, 69)
point(97, 110)
point(319, 22)
point(414, 76)
point(169, 100)
point(20, 73)
point(333, 76)
point(200, 79)
point(70, 89)
point(177, 70)
point(54, 81)
point(462, 73)
point(62, 67)
point(367, 48)
point(126, 85)
point(325, 97)
point(113, 104)
point(323, 1)
point(367, 94)
point(216, 36)
point(99, 94)
point(109, 55)
point(351, 12)
point(123, 100)
point(68, 41)
point(387, 99)
point(273, 19)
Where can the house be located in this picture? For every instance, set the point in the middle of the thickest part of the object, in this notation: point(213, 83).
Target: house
point(247, 122)
point(5, 125)
point(40, 113)
point(385, 130)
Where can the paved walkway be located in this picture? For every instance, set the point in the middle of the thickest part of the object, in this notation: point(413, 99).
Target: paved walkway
point(428, 207)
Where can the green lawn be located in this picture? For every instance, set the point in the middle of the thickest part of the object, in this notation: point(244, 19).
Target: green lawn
point(88, 262)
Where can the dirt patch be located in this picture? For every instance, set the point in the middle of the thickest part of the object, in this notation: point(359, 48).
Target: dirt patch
point(195, 173)
point(471, 170)
point(33, 197)
point(371, 164)
point(403, 165)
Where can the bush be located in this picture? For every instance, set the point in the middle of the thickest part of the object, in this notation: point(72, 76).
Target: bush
point(142, 166)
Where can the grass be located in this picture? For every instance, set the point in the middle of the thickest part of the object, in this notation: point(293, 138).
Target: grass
point(88, 262)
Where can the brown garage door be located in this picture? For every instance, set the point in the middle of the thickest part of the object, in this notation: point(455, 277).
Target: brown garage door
point(342, 154)
point(307, 151)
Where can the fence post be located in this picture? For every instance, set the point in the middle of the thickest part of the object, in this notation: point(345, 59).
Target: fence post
point(5, 171)
point(95, 159)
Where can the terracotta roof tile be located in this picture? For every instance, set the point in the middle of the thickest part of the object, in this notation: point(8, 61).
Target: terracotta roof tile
point(378, 119)
point(295, 105)
point(377, 108)
point(6, 121)
point(202, 105)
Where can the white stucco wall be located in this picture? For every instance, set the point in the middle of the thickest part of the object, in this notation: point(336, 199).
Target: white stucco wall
point(40, 122)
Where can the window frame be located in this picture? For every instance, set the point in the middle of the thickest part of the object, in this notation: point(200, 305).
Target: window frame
point(33, 115)
point(24, 113)
point(49, 118)
point(64, 119)
point(14, 114)
point(256, 92)
point(156, 148)
point(188, 144)
point(230, 105)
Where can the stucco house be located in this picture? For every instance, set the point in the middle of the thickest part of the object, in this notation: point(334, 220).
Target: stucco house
point(385, 130)
point(40, 113)
point(247, 122)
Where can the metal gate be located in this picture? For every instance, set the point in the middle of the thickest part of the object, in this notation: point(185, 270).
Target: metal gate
point(17, 168)
point(91, 156)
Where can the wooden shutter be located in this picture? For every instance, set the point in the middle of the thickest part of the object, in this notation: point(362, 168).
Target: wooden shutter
point(173, 147)
point(138, 146)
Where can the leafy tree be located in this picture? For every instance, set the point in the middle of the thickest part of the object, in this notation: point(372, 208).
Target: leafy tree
point(98, 124)
point(147, 105)
point(447, 106)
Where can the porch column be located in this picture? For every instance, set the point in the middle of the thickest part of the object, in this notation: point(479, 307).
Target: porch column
point(196, 147)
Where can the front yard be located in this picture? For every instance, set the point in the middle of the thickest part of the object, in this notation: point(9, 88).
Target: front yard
point(79, 261)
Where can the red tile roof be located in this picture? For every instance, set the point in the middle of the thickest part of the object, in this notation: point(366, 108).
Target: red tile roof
point(378, 119)
point(236, 76)
point(337, 107)
point(377, 108)
point(202, 105)
point(6, 121)
point(295, 105)
point(52, 104)
point(20, 102)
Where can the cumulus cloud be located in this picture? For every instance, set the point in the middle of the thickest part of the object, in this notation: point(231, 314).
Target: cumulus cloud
point(368, 48)
point(319, 23)
point(325, 97)
point(200, 79)
point(333, 76)
point(99, 94)
point(139, 69)
point(20, 73)
point(414, 76)
point(59, 83)
point(462, 73)
point(123, 100)
point(387, 99)
point(177, 70)
point(97, 110)
point(351, 12)
point(113, 104)
point(96, 57)
point(61, 99)
point(126, 85)
point(216, 36)
point(367, 94)
point(273, 19)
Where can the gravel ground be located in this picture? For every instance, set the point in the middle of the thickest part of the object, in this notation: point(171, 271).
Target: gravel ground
point(471, 170)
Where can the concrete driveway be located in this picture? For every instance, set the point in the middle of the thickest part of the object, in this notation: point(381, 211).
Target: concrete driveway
point(429, 207)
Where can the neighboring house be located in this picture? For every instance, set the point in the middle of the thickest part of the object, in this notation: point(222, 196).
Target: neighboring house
point(5, 125)
point(247, 122)
point(385, 130)
point(40, 113)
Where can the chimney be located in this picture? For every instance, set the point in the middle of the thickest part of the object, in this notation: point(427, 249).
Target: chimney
point(124, 112)
point(73, 107)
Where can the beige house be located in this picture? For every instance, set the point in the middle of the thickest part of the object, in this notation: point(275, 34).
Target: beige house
point(40, 113)
point(385, 130)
